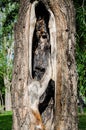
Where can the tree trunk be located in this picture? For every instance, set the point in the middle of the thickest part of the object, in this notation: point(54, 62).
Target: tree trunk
point(8, 46)
point(44, 85)
point(7, 94)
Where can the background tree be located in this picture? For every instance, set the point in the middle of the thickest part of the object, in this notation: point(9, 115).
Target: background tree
point(6, 46)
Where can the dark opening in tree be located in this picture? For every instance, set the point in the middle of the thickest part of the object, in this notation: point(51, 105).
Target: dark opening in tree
point(41, 42)
point(41, 49)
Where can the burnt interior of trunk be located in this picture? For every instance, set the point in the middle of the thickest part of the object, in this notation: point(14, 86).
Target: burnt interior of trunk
point(41, 49)
point(41, 43)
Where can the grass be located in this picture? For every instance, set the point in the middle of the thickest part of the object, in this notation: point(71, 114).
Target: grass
point(6, 121)
point(82, 121)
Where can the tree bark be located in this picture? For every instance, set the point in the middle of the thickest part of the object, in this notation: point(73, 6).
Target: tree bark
point(33, 82)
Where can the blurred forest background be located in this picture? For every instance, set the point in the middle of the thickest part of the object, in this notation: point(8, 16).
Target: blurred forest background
point(8, 17)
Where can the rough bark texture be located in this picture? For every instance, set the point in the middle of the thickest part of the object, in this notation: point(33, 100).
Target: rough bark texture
point(59, 72)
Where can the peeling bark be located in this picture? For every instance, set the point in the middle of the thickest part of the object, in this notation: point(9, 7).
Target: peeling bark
point(44, 89)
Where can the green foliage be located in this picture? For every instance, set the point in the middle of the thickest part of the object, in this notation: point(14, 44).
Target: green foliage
point(81, 45)
point(8, 16)
point(81, 22)
point(10, 9)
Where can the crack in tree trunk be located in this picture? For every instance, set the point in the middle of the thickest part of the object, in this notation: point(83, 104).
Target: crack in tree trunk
point(42, 53)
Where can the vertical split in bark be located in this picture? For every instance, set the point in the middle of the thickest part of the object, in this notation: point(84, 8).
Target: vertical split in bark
point(43, 45)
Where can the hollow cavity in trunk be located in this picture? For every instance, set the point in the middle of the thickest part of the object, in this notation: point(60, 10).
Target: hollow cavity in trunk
point(41, 49)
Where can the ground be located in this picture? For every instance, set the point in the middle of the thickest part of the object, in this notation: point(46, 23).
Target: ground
point(6, 121)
